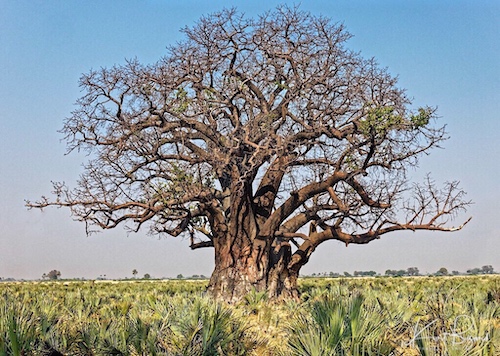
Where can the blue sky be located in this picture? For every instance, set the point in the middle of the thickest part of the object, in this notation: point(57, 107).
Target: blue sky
point(446, 54)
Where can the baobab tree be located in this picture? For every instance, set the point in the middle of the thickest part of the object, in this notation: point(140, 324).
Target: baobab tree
point(260, 138)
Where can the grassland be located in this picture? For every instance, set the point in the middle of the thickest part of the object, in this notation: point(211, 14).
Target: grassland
point(341, 316)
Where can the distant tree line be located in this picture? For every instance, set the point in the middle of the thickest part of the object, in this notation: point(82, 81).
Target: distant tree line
point(194, 276)
point(411, 271)
point(6, 279)
point(483, 270)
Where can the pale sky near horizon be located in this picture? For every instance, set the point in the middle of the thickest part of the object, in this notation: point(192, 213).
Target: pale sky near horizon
point(446, 54)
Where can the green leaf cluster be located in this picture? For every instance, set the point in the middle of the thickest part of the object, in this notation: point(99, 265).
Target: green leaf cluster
point(182, 100)
point(378, 121)
point(422, 118)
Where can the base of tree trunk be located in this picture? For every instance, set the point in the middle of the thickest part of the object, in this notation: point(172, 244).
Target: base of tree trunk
point(232, 284)
point(232, 287)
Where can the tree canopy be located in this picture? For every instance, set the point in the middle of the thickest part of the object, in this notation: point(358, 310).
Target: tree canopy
point(253, 136)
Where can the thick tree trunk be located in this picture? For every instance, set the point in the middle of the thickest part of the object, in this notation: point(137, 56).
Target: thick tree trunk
point(245, 260)
point(282, 280)
point(239, 271)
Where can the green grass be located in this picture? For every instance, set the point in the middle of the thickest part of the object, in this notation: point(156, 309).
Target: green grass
point(342, 316)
